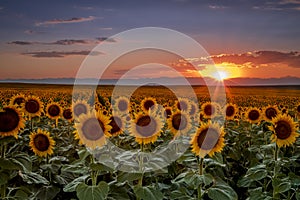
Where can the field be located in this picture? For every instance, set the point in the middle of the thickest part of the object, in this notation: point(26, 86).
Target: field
point(53, 146)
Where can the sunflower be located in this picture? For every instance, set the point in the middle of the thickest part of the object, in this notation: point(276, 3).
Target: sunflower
point(193, 108)
point(146, 128)
point(93, 128)
point(179, 123)
point(298, 109)
point(118, 124)
point(122, 104)
point(11, 122)
point(208, 139)
point(253, 115)
point(230, 111)
point(167, 112)
point(284, 130)
point(148, 103)
point(80, 107)
point(67, 114)
point(33, 106)
point(183, 104)
point(270, 112)
point(53, 110)
point(17, 99)
point(209, 109)
point(41, 143)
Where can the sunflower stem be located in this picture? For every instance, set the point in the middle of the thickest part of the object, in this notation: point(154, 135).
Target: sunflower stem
point(275, 195)
point(3, 191)
point(31, 124)
point(140, 183)
point(201, 166)
point(199, 189)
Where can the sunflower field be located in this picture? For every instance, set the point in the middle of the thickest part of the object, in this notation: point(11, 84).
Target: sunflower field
point(53, 144)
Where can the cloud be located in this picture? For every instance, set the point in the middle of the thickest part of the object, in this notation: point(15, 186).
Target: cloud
point(60, 54)
point(106, 28)
point(260, 59)
point(217, 7)
point(66, 21)
point(101, 39)
point(21, 43)
point(70, 42)
point(32, 32)
point(279, 5)
point(66, 41)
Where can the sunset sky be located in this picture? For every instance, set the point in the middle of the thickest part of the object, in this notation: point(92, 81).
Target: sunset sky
point(255, 38)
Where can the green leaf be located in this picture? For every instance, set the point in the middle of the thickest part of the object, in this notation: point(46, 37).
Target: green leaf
point(280, 186)
point(33, 178)
point(71, 187)
point(20, 194)
point(222, 191)
point(298, 195)
point(124, 177)
point(87, 192)
point(207, 179)
point(23, 160)
point(295, 180)
point(100, 167)
point(148, 193)
point(47, 192)
point(4, 177)
point(256, 173)
point(8, 164)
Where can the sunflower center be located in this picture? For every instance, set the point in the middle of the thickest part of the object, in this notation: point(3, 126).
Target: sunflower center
point(229, 111)
point(208, 138)
point(93, 129)
point(41, 142)
point(270, 113)
point(168, 113)
point(67, 114)
point(283, 130)
point(53, 110)
point(298, 109)
point(32, 106)
point(193, 109)
point(9, 120)
point(148, 104)
point(19, 100)
point(115, 123)
point(181, 105)
point(123, 105)
point(253, 115)
point(79, 109)
point(209, 110)
point(179, 122)
point(146, 126)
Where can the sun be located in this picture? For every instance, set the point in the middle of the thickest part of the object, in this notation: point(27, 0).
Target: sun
point(220, 75)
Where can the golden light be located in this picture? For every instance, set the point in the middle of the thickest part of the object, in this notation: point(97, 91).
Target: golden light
point(220, 75)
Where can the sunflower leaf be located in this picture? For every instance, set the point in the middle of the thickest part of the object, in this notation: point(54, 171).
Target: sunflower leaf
point(33, 178)
point(87, 192)
point(71, 187)
point(147, 193)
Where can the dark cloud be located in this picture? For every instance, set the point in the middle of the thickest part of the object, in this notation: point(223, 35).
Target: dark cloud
point(65, 21)
point(21, 43)
point(260, 58)
point(60, 54)
point(279, 5)
point(101, 39)
point(66, 41)
point(70, 42)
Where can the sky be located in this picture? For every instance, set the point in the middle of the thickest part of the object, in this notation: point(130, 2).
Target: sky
point(51, 39)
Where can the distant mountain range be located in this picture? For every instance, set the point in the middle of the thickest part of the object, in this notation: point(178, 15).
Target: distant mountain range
point(162, 81)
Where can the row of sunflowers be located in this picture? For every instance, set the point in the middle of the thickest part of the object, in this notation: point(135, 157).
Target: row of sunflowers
point(48, 144)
